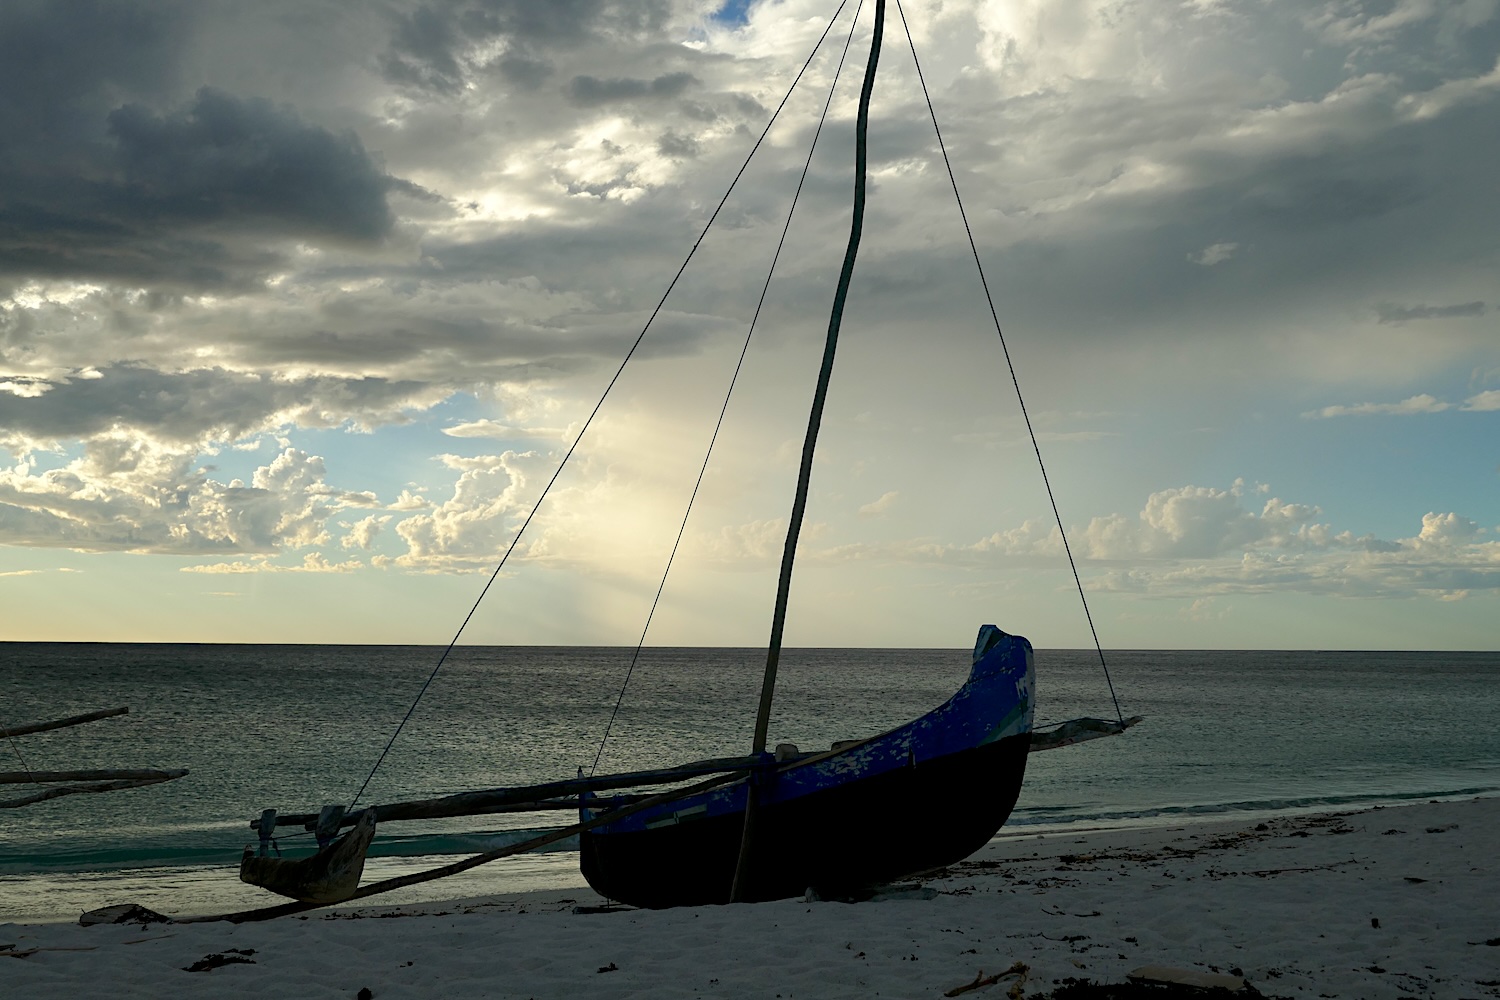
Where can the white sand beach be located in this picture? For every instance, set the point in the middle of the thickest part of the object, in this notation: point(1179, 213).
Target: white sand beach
point(1393, 902)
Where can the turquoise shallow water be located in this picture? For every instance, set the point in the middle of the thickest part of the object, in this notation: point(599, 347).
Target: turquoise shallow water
point(296, 726)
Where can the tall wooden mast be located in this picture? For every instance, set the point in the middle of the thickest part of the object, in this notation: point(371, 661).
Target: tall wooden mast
point(809, 444)
point(815, 419)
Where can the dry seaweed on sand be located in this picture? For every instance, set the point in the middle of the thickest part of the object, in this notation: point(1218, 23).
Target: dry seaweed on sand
point(1084, 989)
point(217, 960)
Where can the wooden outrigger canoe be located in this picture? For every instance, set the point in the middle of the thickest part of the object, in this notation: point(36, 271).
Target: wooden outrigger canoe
point(772, 825)
point(923, 795)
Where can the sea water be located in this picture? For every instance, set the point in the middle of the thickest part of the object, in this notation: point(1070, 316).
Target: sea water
point(295, 727)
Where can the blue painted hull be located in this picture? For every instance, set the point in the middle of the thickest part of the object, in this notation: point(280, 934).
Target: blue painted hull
point(920, 796)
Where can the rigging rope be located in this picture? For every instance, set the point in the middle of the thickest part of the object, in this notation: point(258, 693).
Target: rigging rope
point(586, 424)
point(995, 316)
point(766, 287)
point(16, 748)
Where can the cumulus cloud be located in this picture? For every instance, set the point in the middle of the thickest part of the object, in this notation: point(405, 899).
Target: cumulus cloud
point(123, 494)
point(471, 529)
point(1389, 313)
point(1404, 572)
point(879, 505)
point(409, 501)
point(1422, 403)
point(361, 534)
point(1202, 522)
point(745, 546)
point(1484, 401)
point(1446, 530)
point(26, 388)
point(1216, 253)
point(1194, 542)
point(312, 562)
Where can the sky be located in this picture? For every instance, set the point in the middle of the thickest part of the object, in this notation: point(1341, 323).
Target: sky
point(303, 301)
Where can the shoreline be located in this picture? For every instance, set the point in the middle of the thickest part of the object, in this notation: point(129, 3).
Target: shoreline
point(59, 896)
point(1382, 902)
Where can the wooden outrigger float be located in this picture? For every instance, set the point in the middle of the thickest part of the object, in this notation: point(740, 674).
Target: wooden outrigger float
point(330, 876)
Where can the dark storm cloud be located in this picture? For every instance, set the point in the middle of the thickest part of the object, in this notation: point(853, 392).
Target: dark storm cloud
point(559, 22)
point(1389, 313)
point(434, 47)
point(441, 345)
point(184, 198)
point(524, 72)
point(591, 91)
point(36, 241)
point(418, 336)
point(422, 52)
point(1376, 211)
point(99, 182)
point(191, 406)
point(676, 146)
point(225, 158)
point(61, 59)
point(1312, 192)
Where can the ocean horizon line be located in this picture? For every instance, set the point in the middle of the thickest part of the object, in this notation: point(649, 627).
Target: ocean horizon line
point(728, 648)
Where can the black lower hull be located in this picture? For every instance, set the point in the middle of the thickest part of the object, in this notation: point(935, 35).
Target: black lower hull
point(876, 829)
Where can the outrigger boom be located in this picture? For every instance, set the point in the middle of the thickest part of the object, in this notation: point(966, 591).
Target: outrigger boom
point(563, 795)
point(523, 798)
